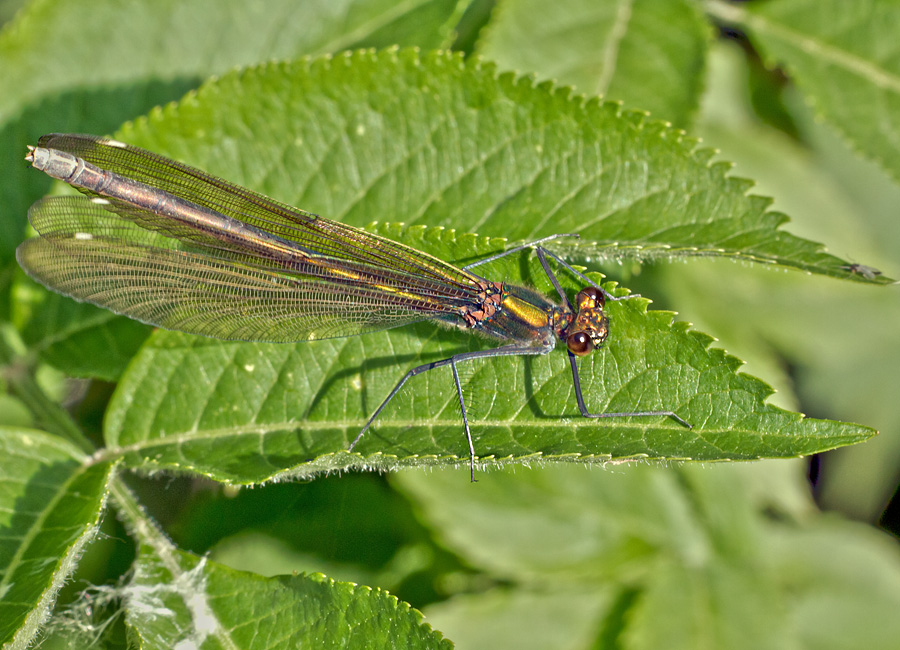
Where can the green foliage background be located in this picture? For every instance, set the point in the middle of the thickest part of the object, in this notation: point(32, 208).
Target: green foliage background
point(553, 555)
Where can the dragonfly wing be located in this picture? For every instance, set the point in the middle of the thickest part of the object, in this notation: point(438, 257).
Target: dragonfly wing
point(93, 255)
point(313, 233)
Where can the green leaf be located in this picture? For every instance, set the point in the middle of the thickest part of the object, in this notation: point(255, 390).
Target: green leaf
point(246, 413)
point(843, 581)
point(695, 568)
point(648, 53)
point(8, 9)
point(13, 413)
point(846, 368)
point(341, 136)
point(177, 598)
point(136, 55)
point(118, 43)
point(132, 56)
point(570, 526)
point(434, 140)
point(352, 527)
point(561, 618)
point(842, 55)
point(51, 505)
point(683, 557)
point(78, 338)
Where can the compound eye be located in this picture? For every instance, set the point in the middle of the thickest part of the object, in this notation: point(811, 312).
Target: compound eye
point(591, 293)
point(580, 344)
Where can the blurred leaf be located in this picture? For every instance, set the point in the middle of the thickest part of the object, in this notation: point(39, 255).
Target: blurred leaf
point(784, 168)
point(86, 66)
point(675, 558)
point(177, 39)
point(594, 526)
point(51, 505)
point(843, 368)
point(847, 371)
point(843, 57)
point(563, 619)
point(352, 527)
point(8, 9)
point(78, 338)
point(843, 580)
point(476, 17)
point(647, 53)
point(13, 413)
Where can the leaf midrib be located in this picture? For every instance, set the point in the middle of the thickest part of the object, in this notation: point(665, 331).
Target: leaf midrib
point(175, 439)
point(839, 57)
point(34, 530)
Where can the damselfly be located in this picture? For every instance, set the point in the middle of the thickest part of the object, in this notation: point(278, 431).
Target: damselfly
point(170, 245)
point(867, 272)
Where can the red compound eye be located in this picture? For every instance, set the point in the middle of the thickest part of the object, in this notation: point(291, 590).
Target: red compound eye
point(580, 344)
point(591, 293)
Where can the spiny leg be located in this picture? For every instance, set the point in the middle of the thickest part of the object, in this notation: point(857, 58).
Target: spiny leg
point(516, 249)
point(542, 254)
point(576, 381)
point(452, 361)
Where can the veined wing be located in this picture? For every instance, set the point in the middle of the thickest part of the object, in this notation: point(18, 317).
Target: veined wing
point(312, 233)
point(93, 255)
